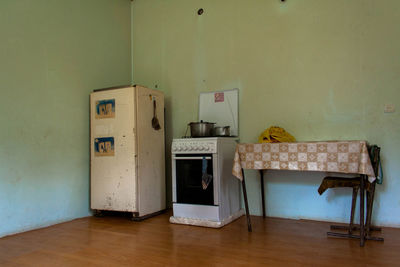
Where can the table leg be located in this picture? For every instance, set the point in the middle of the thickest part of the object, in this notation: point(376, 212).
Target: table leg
point(262, 193)
point(362, 230)
point(246, 204)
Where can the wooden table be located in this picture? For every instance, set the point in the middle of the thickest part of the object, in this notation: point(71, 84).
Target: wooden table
point(350, 157)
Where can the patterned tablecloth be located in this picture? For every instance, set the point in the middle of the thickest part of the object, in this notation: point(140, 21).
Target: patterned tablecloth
point(331, 156)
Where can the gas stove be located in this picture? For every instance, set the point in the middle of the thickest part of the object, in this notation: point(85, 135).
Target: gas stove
point(193, 159)
point(217, 205)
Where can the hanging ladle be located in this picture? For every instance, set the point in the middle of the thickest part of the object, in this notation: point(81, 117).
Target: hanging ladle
point(154, 122)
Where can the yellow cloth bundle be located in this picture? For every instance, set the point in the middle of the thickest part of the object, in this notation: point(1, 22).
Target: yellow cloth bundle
point(275, 134)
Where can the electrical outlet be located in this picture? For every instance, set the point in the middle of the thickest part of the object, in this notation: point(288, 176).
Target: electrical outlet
point(389, 108)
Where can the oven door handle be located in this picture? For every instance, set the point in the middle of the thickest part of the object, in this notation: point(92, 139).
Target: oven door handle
point(188, 158)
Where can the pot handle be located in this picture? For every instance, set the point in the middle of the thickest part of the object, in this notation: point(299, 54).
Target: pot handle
point(187, 129)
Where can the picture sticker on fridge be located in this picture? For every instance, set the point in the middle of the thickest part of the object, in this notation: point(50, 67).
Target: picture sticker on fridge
point(104, 146)
point(105, 109)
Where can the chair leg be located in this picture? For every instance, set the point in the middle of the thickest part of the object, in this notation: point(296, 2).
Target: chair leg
point(362, 203)
point(370, 204)
point(355, 227)
point(352, 227)
point(367, 219)
point(354, 236)
point(353, 207)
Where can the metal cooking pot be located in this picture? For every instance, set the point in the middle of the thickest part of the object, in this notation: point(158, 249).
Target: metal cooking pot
point(201, 129)
point(222, 131)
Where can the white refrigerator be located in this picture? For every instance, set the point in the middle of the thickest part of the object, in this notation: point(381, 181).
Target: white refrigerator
point(127, 152)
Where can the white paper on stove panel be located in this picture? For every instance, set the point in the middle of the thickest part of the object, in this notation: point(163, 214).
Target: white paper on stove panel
point(220, 107)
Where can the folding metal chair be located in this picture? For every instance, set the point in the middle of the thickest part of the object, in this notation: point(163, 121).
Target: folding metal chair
point(354, 183)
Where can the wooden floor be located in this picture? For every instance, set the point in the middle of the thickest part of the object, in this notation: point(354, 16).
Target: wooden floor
point(117, 241)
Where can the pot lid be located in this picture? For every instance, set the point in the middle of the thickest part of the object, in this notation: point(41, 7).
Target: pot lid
point(221, 107)
point(201, 121)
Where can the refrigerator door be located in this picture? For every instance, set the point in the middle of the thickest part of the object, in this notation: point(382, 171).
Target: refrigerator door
point(113, 150)
point(151, 151)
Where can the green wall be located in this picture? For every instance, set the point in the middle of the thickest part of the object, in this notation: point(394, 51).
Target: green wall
point(323, 70)
point(53, 53)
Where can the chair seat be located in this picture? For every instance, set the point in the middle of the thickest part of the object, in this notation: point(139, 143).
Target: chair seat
point(333, 182)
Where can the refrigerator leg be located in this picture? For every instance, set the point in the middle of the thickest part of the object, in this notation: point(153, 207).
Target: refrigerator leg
point(98, 213)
